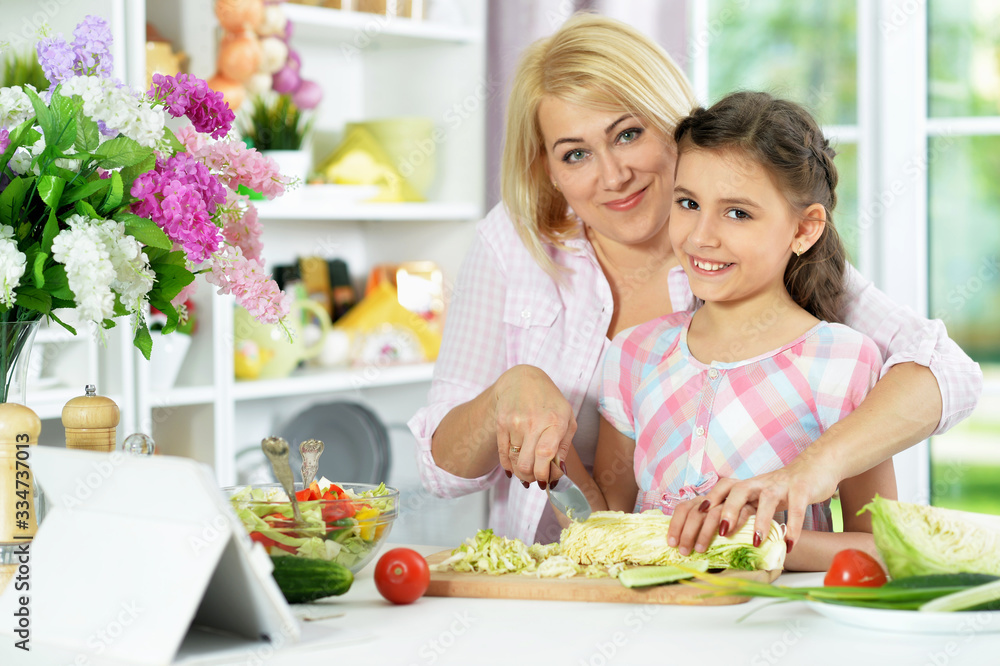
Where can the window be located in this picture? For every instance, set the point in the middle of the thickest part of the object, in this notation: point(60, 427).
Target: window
point(964, 233)
point(910, 95)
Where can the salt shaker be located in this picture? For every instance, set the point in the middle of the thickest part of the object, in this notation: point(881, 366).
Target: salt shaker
point(90, 422)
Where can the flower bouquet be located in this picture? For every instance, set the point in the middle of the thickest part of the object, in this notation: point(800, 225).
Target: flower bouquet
point(106, 211)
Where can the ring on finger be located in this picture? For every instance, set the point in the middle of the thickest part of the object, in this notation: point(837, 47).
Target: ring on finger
point(515, 449)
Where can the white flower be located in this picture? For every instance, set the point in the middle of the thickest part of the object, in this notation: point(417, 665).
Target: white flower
point(88, 267)
point(101, 260)
point(15, 107)
point(20, 161)
point(118, 108)
point(12, 265)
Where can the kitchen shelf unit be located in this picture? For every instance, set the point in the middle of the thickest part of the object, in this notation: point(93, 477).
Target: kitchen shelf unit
point(369, 67)
point(361, 29)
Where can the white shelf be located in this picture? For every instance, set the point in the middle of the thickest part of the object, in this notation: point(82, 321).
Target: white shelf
point(181, 396)
point(294, 207)
point(48, 404)
point(318, 380)
point(357, 30)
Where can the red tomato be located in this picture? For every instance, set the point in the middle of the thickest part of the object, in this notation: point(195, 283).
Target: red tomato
point(855, 568)
point(337, 511)
point(402, 575)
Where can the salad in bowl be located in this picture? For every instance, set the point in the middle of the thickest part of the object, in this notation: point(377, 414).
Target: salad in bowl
point(345, 523)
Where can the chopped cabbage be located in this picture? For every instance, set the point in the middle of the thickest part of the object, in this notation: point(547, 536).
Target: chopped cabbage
point(613, 537)
point(491, 554)
point(914, 540)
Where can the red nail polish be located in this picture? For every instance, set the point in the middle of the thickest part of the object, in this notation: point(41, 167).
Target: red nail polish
point(705, 506)
point(723, 528)
point(562, 466)
point(508, 473)
point(552, 486)
point(788, 546)
point(756, 539)
point(542, 485)
point(525, 484)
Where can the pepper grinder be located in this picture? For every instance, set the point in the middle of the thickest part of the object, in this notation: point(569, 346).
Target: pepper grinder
point(90, 422)
point(19, 429)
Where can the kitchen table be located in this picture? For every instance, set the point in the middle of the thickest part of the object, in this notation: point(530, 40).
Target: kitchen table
point(496, 631)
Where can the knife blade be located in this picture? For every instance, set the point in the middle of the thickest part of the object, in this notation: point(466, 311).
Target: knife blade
point(569, 499)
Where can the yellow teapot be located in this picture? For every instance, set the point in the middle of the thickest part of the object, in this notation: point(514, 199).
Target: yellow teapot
point(262, 351)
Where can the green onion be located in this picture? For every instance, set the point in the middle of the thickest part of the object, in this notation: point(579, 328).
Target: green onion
point(987, 596)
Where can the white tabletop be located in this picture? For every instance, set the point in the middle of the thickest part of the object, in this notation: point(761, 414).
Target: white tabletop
point(492, 631)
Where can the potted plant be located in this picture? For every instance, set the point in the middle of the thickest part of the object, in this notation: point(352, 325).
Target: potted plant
point(277, 127)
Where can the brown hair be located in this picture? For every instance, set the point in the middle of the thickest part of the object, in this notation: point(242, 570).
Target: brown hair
point(595, 62)
point(786, 140)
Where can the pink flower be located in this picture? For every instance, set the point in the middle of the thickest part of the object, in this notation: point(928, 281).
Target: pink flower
point(187, 95)
point(235, 164)
point(253, 288)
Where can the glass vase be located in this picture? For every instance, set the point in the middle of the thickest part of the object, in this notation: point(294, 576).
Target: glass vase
point(21, 500)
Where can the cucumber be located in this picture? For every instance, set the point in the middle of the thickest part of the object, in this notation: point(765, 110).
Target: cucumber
point(980, 597)
point(646, 576)
point(941, 580)
point(302, 579)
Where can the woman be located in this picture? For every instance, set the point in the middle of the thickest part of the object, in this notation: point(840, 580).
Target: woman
point(543, 290)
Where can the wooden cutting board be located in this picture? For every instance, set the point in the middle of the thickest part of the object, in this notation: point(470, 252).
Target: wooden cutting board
point(518, 586)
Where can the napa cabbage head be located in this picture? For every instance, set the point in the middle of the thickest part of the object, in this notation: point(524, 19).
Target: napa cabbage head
point(914, 540)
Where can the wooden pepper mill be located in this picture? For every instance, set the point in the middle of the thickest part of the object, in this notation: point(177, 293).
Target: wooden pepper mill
point(90, 422)
point(19, 429)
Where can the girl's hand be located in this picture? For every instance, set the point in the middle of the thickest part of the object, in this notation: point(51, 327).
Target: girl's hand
point(792, 488)
point(695, 523)
point(535, 424)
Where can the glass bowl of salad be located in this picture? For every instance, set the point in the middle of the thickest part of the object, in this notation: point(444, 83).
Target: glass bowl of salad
point(343, 522)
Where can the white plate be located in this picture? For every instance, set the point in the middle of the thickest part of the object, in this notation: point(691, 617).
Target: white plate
point(911, 621)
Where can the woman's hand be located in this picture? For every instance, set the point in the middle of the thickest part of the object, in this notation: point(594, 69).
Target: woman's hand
point(535, 424)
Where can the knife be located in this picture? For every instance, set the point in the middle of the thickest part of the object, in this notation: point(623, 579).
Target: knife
point(569, 499)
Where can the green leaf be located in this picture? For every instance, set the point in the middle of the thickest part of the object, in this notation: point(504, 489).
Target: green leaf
point(83, 191)
point(130, 173)
point(23, 134)
point(171, 277)
point(88, 135)
point(12, 200)
point(121, 152)
point(56, 303)
point(175, 143)
point(57, 284)
point(113, 197)
point(64, 111)
point(50, 231)
point(144, 230)
point(85, 209)
point(33, 298)
point(50, 189)
point(43, 114)
point(38, 269)
point(143, 341)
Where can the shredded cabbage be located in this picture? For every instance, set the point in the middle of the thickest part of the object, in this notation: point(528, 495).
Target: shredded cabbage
point(914, 540)
point(613, 537)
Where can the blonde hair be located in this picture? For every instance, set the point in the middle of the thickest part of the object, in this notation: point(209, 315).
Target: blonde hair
point(591, 61)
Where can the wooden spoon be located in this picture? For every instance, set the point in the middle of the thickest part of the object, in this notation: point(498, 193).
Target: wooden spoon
point(276, 450)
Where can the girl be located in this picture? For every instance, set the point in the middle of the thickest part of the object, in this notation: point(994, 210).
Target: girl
point(744, 383)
